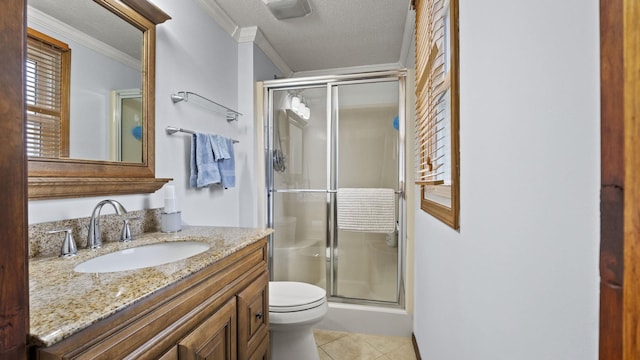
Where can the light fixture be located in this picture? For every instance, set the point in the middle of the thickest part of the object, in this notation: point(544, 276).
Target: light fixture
point(299, 107)
point(306, 113)
point(287, 9)
point(295, 104)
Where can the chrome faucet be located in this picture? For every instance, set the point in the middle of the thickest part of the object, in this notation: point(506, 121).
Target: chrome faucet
point(94, 240)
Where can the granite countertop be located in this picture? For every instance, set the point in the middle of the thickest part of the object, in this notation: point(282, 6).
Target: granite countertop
point(62, 301)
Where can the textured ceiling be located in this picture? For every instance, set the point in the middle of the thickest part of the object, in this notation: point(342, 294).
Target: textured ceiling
point(95, 21)
point(337, 33)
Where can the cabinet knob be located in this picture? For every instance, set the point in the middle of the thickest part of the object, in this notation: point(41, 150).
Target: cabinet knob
point(259, 315)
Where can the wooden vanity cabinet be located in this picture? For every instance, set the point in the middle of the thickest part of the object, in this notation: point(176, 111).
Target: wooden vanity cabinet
point(214, 338)
point(220, 312)
point(253, 314)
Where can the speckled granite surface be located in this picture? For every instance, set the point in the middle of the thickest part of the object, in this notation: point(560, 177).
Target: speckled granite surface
point(63, 301)
point(43, 244)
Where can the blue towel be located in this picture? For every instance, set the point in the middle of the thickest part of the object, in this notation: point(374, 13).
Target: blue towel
point(227, 166)
point(193, 175)
point(223, 155)
point(212, 161)
point(204, 168)
point(219, 147)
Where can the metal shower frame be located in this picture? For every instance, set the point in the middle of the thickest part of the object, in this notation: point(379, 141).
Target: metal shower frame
point(331, 83)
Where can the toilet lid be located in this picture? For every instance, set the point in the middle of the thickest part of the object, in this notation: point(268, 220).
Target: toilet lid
point(289, 296)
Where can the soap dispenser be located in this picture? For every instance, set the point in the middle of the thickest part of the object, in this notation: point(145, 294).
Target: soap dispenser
point(68, 248)
point(171, 218)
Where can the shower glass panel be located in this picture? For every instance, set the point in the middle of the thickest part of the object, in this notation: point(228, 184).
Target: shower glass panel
point(299, 158)
point(366, 119)
point(351, 137)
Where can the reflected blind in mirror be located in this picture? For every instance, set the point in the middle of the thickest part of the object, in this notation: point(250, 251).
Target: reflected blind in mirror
point(47, 96)
point(432, 93)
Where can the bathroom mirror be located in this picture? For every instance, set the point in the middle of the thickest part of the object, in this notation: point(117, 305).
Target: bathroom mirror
point(112, 46)
point(437, 109)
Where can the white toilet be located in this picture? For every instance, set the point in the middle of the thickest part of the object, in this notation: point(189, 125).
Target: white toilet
point(294, 307)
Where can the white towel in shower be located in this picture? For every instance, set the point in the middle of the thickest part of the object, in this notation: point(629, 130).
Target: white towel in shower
point(367, 210)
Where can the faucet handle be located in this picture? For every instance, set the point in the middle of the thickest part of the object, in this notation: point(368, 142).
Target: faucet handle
point(69, 247)
point(125, 236)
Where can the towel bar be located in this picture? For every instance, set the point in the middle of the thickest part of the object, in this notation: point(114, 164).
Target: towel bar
point(172, 130)
point(230, 114)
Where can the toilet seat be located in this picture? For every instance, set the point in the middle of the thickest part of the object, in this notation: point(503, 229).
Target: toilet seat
point(294, 308)
point(292, 296)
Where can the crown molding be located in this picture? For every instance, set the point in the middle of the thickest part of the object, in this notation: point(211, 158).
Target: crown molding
point(247, 34)
point(37, 17)
point(253, 34)
point(244, 34)
point(266, 47)
point(214, 10)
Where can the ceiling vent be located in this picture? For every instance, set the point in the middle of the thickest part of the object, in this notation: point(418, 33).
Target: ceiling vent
point(287, 9)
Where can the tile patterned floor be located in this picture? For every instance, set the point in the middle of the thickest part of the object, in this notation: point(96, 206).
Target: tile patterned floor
point(335, 345)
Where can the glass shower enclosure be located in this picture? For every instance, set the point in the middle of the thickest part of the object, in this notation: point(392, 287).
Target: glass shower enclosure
point(325, 136)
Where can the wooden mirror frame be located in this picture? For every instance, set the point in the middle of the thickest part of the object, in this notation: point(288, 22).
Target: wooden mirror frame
point(70, 178)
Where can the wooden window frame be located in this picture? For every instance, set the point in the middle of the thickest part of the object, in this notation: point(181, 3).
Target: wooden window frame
point(426, 89)
point(62, 113)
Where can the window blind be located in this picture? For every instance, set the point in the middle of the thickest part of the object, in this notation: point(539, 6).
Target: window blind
point(433, 165)
point(47, 96)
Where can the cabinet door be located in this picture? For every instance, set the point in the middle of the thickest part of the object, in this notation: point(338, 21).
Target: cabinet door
point(170, 355)
point(262, 352)
point(253, 316)
point(214, 339)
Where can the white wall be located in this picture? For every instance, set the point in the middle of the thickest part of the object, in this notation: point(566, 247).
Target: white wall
point(253, 65)
point(192, 54)
point(195, 54)
point(520, 279)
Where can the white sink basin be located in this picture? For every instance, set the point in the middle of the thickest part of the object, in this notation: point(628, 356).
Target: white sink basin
point(142, 256)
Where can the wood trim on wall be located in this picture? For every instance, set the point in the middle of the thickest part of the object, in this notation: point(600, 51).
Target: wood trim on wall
point(14, 296)
point(612, 179)
point(415, 346)
point(631, 78)
point(620, 181)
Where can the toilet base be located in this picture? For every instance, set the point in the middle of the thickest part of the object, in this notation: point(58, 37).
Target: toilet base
point(298, 344)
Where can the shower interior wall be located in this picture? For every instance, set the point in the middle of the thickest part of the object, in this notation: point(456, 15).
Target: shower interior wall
point(368, 158)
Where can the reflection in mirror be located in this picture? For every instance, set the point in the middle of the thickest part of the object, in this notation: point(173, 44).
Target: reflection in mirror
point(126, 125)
point(47, 96)
point(437, 109)
point(106, 53)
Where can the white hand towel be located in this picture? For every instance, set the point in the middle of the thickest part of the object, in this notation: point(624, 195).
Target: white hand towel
point(367, 210)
